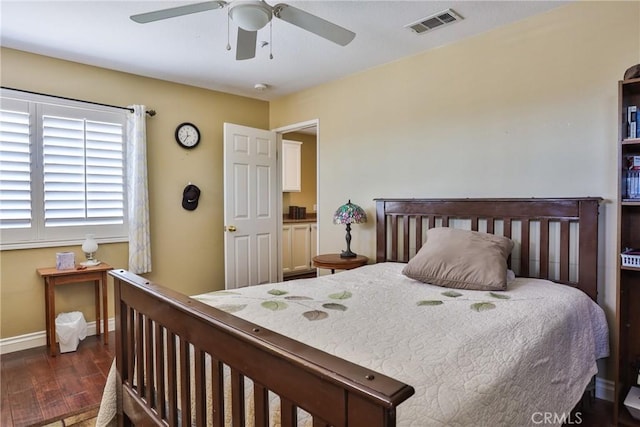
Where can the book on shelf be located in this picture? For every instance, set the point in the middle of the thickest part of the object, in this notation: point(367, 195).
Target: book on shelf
point(633, 162)
point(631, 182)
point(632, 121)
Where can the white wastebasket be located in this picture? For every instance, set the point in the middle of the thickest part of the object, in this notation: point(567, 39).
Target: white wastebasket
point(70, 329)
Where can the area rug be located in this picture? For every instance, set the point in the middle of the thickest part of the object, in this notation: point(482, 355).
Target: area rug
point(86, 418)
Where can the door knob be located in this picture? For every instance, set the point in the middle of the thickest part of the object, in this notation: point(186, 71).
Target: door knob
point(231, 228)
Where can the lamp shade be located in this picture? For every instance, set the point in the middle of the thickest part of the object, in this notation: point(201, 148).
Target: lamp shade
point(89, 246)
point(349, 213)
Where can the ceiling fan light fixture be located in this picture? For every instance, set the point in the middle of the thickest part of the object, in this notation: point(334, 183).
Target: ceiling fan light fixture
point(250, 15)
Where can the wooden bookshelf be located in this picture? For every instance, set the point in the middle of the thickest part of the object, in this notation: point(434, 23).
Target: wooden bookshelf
point(627, 345)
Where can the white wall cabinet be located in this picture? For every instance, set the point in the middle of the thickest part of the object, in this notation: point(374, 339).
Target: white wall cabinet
point(299, 242)
point(291, 166)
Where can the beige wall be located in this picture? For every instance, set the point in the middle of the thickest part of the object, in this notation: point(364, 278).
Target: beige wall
point(187, 246)
point(307, 197)
point(527, 110)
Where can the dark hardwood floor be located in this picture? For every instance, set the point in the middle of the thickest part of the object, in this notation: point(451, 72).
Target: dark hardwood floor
point(36, 387)
point(595, 413)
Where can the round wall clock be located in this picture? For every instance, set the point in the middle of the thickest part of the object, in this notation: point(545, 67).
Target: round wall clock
point(187, 135)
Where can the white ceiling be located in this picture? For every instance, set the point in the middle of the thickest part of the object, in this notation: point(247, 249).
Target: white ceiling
point(191, 49)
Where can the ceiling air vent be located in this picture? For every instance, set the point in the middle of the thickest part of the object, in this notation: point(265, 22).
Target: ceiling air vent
point(434, 21)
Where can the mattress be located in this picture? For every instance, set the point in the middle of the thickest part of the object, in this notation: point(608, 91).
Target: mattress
point(473, 357)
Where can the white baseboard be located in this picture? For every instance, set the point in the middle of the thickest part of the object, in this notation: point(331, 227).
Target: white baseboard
point(39, 339)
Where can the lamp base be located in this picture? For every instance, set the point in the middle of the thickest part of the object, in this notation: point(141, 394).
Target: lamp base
point(348, 254)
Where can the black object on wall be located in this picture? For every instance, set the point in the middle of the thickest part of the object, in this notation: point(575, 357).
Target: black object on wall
point(190, 197)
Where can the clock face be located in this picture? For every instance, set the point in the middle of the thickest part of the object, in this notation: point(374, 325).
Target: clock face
point(187, 135)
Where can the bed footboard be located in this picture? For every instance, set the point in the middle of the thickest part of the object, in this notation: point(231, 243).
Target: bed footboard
point(182, 362)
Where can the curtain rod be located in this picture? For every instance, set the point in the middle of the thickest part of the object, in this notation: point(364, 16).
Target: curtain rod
point(151, 113)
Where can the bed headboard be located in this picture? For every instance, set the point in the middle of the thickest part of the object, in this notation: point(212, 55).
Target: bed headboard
point(555, 239)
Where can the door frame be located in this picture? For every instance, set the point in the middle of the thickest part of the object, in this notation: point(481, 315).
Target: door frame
point(279, 133)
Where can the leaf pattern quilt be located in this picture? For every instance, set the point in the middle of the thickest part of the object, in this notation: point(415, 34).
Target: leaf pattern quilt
point(475, 358)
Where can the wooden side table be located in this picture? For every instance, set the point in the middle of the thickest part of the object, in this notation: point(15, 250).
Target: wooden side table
point(335, 262)
point(54, 277)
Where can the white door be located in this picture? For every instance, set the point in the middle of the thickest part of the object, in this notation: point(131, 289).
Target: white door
point(250, 206)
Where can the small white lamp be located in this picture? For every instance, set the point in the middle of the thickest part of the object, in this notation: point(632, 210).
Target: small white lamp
point(90, 247)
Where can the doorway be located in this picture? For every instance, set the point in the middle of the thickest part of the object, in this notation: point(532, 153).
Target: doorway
point(298, 240)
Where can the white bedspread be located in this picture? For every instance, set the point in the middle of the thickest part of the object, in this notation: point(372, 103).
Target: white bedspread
point(474, 358)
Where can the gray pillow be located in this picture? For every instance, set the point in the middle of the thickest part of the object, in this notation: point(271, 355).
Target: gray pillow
point(462, 259)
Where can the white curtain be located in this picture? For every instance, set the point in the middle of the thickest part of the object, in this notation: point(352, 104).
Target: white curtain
point(138, 203)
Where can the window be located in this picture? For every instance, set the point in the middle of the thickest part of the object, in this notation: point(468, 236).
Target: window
point(62, 171)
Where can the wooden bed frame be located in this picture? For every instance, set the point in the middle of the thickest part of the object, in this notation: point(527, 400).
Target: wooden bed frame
point(163, 337)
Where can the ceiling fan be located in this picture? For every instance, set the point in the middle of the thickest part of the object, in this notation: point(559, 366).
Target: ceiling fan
point(252, 15)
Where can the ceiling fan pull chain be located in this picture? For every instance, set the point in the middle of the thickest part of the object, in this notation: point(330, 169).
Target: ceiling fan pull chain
point(270, 39)
point(228, 43)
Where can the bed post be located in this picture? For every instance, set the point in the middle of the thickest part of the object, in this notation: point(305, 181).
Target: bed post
point(588, 250)
point(120, 361)
point(381, 229)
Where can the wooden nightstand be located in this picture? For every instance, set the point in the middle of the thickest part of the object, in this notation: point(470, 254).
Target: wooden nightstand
point(335, 262)
point(54, 277)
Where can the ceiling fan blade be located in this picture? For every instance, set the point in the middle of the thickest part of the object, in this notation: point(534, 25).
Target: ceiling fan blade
point(246, 45)
point(172, 12)
point(314, 24)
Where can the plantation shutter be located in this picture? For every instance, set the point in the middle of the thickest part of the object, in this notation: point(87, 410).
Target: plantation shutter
point(83, 169)
point(62, 171)
point(15, 166)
